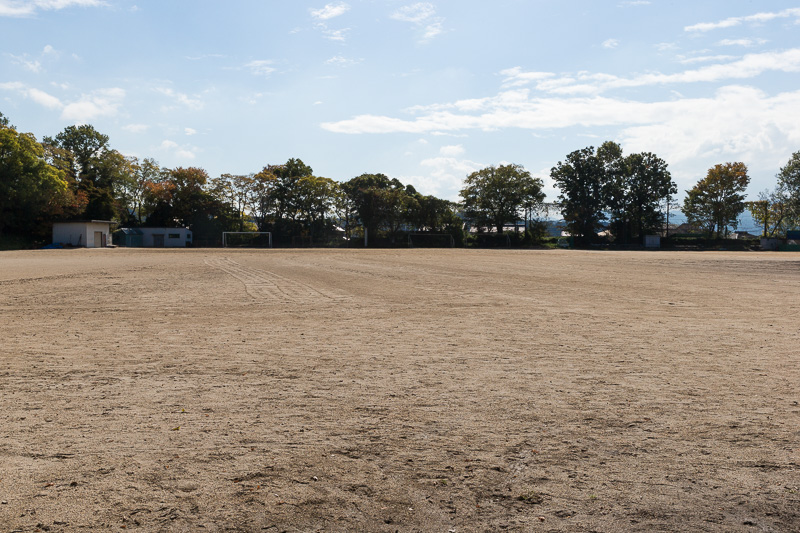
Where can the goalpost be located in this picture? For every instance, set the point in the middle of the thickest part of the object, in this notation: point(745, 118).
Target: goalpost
point(247, 238)
point(431, 240)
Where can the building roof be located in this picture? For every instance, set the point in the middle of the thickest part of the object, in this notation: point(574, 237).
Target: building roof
point(84, 222)
point(131, 231)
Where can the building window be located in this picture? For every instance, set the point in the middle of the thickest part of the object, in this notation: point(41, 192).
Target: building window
point(174, 235)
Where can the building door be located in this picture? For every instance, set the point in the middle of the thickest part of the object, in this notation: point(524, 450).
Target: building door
point(98, 239)
point(158, 240)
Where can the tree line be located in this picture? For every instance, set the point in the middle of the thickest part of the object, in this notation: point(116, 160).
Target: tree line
point(77, 175)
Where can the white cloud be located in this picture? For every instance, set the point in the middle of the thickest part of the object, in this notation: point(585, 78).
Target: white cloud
point(735, 122)
point(516, 77)
point(341, 61)
point(100, 103)
point(749, 66)
point(444, 176)
point(190, 131)
point(704, 59)
point(736, 21)
point(28, 64)
point(335, 35)
point(330, 11)
point(453, 150)
point(666, 47)
point(610, 43)
point(177, 151)
point(747, 43)
point(261, 67)
point(42, 98)
point(432, 30)
point(422, 15)
point(34, 64)
point(136, 128)
point(416, 13)
point(634, 3)
point(192, 102)
point(26, 8)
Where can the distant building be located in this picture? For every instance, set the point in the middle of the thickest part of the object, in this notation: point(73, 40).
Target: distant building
point(153, 237)
point(742, 235)
point(687, 229)
point(85, 233)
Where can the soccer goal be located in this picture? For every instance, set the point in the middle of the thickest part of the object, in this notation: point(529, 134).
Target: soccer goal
point(247, 239)
point(431, 240)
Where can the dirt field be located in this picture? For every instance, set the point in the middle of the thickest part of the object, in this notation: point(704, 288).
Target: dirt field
point(399, 390)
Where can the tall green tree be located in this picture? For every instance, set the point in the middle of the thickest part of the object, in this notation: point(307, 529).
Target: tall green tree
point(495, 196)
point(639, 189)
point(96, 170)
point(717, 200)
point(315, 198)
point(370, 194)
point(772, 212)
point(584, 184)
point(789, 190)
point(31, 190)
point(144, 174)
point(263, 198)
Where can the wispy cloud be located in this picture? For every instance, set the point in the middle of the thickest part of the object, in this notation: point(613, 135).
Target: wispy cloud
point(610, 43)
point(737, 21)
point(749, 66)
point(180, 152)
point(635, 3)
point(444, 175)
point(34, 64)
point(417, 13)
point(334, 35)
point(704, 59)
point(453, 150)
point(27, 8)
point(99, 103)
point(44, 99)
point(192, 102)
point(681, 129)
point(341, 61)
point(330, 11)
point(261, 67)
point(28, 64)
point(12, 86)
point(747, 43)
point(136, 128)
point(422, 15)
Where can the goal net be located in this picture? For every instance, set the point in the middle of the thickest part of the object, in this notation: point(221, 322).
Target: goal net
point(431, 240)
point(247, 239)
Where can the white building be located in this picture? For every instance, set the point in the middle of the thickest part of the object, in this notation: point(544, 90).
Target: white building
point(166, 237)
point(87, 233)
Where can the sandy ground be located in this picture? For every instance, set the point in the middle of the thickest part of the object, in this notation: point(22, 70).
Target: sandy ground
point(399, 390)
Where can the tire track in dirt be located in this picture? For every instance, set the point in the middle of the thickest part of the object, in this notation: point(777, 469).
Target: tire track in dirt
point(264, 285)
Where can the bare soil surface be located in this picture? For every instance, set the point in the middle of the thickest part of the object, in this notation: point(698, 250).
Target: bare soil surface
point(399, 390)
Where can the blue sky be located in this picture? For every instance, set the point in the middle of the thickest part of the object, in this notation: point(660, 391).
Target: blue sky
point(425, 92)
